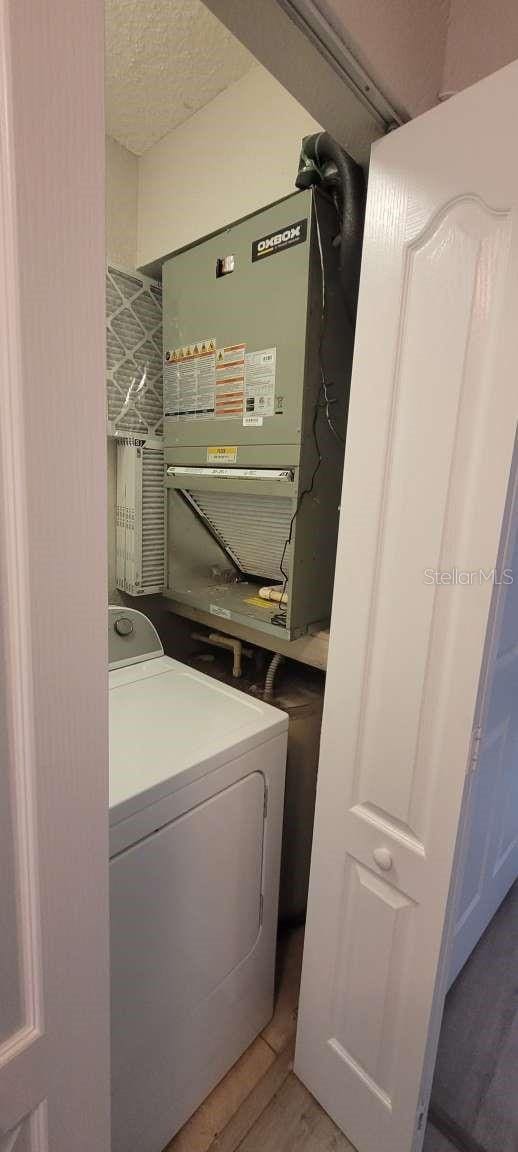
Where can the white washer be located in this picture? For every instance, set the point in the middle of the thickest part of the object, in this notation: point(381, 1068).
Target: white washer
point(196, 800)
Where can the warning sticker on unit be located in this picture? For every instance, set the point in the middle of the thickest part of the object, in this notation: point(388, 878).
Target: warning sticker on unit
point(190, 381)
point(230, 381)
point(260, 382)
point(222, 454)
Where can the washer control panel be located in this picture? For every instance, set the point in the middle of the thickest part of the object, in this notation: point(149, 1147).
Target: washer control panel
point(131, 637)
point(124, 626)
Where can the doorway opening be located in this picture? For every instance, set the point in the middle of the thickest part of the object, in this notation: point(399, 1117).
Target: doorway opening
point(473, 1104)
point(200, 195)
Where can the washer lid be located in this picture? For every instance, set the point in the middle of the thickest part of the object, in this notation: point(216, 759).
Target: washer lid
point(170, 724)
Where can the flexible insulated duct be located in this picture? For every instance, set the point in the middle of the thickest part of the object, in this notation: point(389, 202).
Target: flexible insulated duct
point(323, 162)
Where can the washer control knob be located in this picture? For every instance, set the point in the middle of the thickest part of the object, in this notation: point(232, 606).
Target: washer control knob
point(124, 626)
point(383, 859)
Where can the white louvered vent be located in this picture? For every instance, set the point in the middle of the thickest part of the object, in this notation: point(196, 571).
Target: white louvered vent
point(254, 529)
point(140, 516)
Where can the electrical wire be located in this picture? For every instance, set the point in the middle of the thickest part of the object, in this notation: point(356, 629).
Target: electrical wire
point(279, 618)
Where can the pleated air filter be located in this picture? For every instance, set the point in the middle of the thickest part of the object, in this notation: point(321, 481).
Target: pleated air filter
point(140, 516)
point(133, 354)
point(253, 530)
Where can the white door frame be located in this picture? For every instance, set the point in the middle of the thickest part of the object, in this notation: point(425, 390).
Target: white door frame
point(294, 40)
point(54, 1051)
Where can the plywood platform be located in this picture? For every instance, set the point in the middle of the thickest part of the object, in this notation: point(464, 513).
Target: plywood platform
point(310, 649)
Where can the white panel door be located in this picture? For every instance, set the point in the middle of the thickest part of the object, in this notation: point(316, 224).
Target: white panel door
point(54, 1010)
point(431, 430)
point(488, 863)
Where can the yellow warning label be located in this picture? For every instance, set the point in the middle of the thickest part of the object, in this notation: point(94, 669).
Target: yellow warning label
point(257, 602)
point(222, 454)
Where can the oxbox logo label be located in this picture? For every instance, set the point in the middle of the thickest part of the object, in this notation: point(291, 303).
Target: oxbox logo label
point(279, 241)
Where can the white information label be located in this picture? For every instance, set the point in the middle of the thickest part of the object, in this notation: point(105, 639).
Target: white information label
point(260, 382)
point(252, 421)
point(216, 611)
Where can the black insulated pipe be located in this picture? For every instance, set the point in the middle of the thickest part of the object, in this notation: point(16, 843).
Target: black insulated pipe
point(323, 162)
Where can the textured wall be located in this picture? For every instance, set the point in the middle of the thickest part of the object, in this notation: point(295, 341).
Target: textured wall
point(482, 37)
point(121, 205)
point(164, 60)
point(237, 154)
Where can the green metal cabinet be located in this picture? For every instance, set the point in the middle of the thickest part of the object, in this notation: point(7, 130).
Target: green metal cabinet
point(240, 485)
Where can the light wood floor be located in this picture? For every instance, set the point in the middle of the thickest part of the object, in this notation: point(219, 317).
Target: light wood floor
point(260, 1106)
point(227, 1115)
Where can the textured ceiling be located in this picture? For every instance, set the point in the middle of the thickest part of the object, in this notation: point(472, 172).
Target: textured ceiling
point(165, 59)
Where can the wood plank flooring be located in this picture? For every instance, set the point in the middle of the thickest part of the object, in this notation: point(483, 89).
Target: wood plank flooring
point(225, 1101)
point(260, 1106)
point(256, 1104)
point(294, 1122)
point(236, 1090)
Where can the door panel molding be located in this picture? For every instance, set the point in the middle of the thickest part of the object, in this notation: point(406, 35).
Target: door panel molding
point(18, 815)
point(365, 1039)
point(30, 1135)
point(465, 246)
